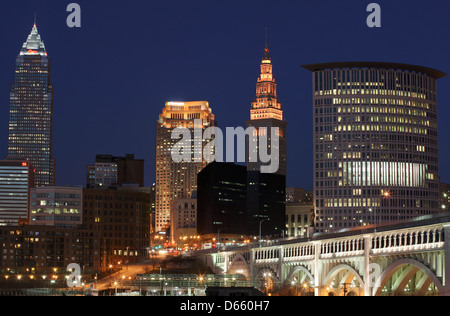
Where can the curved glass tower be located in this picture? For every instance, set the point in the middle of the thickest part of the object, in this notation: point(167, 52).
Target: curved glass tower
point(375, 143)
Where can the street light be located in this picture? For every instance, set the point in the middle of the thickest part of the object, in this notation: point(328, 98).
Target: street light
point(260, 224)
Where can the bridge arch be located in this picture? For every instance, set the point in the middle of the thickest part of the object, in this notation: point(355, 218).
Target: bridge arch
point(296, 270)
point(239, 265)
point(269, 279)
point(408, 269)
point(350, 275)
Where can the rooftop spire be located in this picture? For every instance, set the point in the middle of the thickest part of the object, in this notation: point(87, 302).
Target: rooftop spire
point(266, 37)
point(34, 44)
point(266, 50)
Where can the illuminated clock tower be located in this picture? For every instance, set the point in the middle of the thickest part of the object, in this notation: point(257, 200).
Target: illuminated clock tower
point(266, 113)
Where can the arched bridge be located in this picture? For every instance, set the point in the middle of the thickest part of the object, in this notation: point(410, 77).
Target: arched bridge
point(406, 259)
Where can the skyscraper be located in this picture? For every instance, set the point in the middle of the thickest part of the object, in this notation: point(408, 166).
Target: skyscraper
point(177, 180)
point(265, 114)
point(375, 143)
point(236, 201)
point(31, 110)
point(16, 179)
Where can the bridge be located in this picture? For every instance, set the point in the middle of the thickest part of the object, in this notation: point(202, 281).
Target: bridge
point(411, 258)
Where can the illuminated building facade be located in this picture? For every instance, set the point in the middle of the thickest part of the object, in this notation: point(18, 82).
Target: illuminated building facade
point(31, 110)
point(375, 143)
point(61, 207)
point(16, 180)
point(183, 221)
point(177, 180)
point(265, 114)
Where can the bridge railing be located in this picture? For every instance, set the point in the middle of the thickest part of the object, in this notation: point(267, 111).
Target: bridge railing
point(416, 240)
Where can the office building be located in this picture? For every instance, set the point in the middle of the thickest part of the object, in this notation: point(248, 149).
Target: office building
point(375, 143)
point(266, 204)
point(298, 195)
point(183, 228)
point(61, 207)
point(44, 252)
point(222, 199)
point(109, 171)
point(178, 180)
point(31, 110)
point(235, 201)
point(16, 180)
point(298, 219)
point(121, 216)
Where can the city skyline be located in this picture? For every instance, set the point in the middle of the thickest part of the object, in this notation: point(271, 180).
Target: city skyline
point(351, 105)
point(228, 50)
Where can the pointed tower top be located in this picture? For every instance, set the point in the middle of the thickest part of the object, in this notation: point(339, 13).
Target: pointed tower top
point(266, 37)
point(34, 44)
point(266, 50)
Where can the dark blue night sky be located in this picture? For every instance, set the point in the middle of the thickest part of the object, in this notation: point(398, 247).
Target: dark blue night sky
point(113, 75)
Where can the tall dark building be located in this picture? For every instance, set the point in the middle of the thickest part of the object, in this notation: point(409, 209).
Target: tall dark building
point(221, 199)
point(237, 201)
point(31, 110)
point(266, 203)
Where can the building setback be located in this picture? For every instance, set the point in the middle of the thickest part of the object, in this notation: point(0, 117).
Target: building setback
point(31, 110)
point(375, 143)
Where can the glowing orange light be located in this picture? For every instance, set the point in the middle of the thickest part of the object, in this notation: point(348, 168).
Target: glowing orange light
point(30, 51)
point(24, 164)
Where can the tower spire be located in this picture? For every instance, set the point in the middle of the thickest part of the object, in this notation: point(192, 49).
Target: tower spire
point(266, 50)
point(34, 25)
point(266, 37)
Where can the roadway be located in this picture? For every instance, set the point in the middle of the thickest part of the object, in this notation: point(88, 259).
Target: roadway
point(128, 272)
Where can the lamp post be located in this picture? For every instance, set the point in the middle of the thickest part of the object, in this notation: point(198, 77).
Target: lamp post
point(218, 239)
point(260, 224)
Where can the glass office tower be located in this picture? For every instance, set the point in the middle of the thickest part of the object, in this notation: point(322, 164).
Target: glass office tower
point(31, 110)
point(375, 143)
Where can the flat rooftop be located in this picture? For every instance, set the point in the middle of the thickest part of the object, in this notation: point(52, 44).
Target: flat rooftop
point(378, 65)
